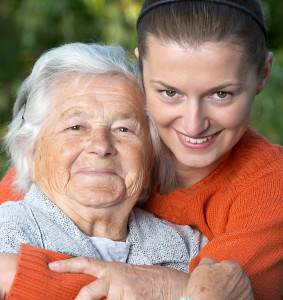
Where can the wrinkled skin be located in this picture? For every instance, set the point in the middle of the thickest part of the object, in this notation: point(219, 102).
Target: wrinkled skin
point(124, 281)
point(210, 280)
point(90, 158)
point(224, 280)
point(8, 263)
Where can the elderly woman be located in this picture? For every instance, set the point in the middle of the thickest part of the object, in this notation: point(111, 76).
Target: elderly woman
point(81, 145)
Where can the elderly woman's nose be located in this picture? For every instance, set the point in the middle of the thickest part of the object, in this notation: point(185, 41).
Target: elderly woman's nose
point(100, 143)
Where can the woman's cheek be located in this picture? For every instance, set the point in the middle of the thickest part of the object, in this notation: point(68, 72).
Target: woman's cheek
point(137, 177)
point(53, 162)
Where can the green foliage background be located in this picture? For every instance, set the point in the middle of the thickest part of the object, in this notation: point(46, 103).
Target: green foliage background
point(30, 27)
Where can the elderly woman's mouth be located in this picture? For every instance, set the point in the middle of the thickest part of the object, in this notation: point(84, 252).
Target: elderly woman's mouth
point(91, 171)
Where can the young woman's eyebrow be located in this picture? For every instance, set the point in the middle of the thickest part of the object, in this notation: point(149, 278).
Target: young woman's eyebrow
point(238, 86)
point(167, 86)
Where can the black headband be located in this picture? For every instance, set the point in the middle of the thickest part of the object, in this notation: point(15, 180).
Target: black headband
point(223, 2)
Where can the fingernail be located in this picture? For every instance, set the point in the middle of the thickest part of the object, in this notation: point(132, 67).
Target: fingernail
point(54, 265)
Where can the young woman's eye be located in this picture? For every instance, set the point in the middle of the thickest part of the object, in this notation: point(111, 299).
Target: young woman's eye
point(221, 95)
point(170, 93)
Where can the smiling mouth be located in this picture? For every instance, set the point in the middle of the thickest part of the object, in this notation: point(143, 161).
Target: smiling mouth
point(197, 141)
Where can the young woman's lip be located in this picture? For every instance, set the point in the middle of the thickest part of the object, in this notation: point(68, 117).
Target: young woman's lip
point(199, 137)
point(197, 142)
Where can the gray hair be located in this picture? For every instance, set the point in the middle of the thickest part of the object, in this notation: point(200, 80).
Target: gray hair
point(163, 172)
point(31, 105)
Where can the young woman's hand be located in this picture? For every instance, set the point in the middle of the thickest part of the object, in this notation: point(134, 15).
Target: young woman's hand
point(8, 263)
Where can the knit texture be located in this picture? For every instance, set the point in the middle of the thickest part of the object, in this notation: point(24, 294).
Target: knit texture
point(38, 282)
point(8, 192)
point(239, 207)
point(37, 221)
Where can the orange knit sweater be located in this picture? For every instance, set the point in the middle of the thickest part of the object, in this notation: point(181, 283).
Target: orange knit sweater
point(239, 207)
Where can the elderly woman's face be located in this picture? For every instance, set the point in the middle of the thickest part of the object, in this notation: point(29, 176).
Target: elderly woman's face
point(94, 148)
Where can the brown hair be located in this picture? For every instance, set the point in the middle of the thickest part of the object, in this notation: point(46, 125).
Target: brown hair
point(195, 22)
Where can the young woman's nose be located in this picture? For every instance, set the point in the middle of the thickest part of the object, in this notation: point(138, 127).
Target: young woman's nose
point(100, 143)
point(195, 119)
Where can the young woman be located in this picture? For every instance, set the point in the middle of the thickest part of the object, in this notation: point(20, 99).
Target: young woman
point(203, 63)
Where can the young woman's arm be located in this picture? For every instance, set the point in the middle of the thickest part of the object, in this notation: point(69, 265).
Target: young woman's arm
point(34, 280)
point(253, 235)
point(7, 191)
point(8, 263)
point(32, 265)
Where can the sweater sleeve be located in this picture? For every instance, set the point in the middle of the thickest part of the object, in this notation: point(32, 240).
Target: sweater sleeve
point(7, 191)
point(32, 267)
point(253, 238)
point(34, 280)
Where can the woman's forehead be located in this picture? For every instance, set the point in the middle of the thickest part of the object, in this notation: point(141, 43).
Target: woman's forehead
point(98, 95)
point(100, 87)
point(178, 58)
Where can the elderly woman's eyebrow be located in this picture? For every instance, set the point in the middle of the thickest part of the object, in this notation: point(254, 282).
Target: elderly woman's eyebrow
point(132, 117)
point(74, 113)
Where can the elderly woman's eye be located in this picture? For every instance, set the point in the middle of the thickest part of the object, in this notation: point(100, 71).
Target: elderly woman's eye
point(76, 127)
point(123, 129)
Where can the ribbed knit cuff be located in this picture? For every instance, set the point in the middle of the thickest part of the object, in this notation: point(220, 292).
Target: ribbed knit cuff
point(34, 280)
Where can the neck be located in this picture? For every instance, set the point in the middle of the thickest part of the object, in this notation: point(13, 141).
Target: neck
point(109, 223)
point(108, 220)
point(188, 176)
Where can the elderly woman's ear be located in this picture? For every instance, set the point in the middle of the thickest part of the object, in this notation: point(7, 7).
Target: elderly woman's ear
point(31, 161)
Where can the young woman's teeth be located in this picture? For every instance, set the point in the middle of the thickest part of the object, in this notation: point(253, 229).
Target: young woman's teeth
point(195, 141)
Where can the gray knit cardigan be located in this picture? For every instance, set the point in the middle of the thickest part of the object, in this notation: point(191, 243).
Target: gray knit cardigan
point(37, 221)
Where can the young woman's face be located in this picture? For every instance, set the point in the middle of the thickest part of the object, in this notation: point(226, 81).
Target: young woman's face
point(200, 99)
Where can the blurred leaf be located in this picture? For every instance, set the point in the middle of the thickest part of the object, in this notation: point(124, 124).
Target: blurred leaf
point(268, 106)
point(30, 27)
